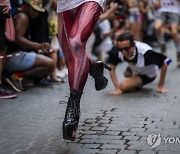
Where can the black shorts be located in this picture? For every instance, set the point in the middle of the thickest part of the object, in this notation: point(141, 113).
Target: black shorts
point(3, 42)
point(145, 79)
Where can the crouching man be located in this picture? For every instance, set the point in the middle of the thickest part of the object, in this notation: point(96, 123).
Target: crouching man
point(143, 65)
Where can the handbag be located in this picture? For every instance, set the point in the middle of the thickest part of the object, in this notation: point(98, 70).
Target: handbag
point(9, 29)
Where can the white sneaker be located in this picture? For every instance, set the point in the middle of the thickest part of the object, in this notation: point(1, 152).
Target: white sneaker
point(65, 71)
point(60, 74)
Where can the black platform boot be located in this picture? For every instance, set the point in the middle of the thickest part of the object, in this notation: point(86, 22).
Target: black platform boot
point(97, 73)
point(72, 115)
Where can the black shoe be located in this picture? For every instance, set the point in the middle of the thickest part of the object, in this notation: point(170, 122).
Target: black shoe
point(72, 115)
point(71, 120)
point(97, 73)
point(14, 83)
point(6, 93)
point(43, 82)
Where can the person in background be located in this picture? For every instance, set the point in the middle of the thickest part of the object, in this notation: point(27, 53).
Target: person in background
point(168, 13)
point(40, 33)
point(134, 19)
point(143, 65)
point(30, 62)
point(61, 70)
point(108, 27)
point(4, 13)
point(144, 9)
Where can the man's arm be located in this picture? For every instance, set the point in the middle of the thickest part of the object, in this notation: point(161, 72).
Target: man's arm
point(162, 62)
point(160, 87)
point(114, 79)
point(108, 13)
point(21, 23)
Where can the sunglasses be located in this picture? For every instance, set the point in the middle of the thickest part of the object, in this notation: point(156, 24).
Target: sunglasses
point(125, 49)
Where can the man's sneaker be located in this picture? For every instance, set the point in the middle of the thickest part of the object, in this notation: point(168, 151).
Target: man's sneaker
point(6, 93)
point(97, 72)
point(60, 73)
point(178, 59)
point(163, 48)
point(14, 83)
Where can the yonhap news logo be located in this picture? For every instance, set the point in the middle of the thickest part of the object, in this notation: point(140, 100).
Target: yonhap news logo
point(155, 139)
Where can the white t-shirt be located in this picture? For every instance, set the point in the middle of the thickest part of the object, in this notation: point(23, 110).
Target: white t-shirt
point(171, 6)
point(107, 44)
point(140, 68)
point(64, 5)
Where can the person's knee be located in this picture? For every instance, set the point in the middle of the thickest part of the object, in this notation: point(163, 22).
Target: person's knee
point(158, 25)
point(76, 44)
point(124, 86)
point(44, 61)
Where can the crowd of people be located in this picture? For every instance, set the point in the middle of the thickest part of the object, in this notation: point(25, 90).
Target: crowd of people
point(53, 39)
point(150, 21)
point(35, 54)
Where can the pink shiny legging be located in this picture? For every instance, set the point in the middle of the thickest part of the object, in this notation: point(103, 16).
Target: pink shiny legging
point(75, 27)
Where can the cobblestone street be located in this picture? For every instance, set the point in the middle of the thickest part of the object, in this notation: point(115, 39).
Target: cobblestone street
point(31, 123)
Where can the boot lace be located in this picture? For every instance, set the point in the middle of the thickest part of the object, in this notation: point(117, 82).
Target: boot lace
point(71, 110)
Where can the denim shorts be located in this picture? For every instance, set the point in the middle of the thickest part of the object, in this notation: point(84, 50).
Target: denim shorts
point(145, 79)
point(22, 62)
point(167, 17)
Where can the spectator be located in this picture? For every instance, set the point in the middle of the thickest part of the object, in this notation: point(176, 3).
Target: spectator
point(4, 13)
point(168, 12)
point(30, 63)
point(145, 10)
point(39, 28)
point(135, 19)
point(58, 56)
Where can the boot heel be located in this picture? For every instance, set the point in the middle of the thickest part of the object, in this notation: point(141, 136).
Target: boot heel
point(69, 132)
point(107, 67)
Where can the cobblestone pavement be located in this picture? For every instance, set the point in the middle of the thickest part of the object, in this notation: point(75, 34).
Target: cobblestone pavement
point(31, 124)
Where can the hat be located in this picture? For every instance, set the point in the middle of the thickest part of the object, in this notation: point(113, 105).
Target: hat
point(36, 4)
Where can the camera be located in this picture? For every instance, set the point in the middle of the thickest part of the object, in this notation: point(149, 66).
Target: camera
point(7, 15)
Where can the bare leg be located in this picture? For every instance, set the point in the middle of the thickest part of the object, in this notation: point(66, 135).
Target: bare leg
point(130, 84)
point(1, 63)
point(42, 67)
